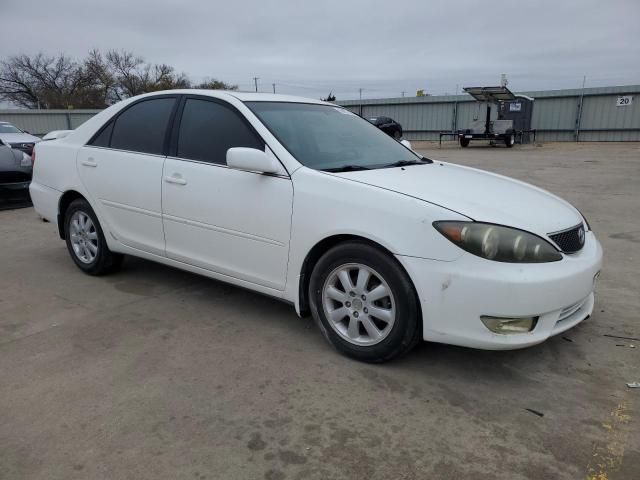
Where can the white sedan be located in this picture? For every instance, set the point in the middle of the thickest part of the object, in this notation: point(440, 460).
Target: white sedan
point(305, 201)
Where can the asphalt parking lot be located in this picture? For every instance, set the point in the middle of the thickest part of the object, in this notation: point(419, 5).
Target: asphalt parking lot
point(156, 373)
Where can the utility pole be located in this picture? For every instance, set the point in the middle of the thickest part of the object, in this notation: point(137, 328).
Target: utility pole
point(255, 80)
point(402, 93)
point(360, 90)
point(580, 105)
point(274, 87)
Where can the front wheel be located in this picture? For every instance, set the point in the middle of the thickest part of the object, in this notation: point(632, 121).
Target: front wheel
point(464, 142)
point(85, 240)
point(364, 303)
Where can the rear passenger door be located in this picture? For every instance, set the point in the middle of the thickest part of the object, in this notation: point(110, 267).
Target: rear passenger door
point(121, 168)
point(235, 223)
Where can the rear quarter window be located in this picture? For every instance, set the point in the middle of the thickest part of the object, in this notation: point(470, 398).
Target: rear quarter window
point(103, 138)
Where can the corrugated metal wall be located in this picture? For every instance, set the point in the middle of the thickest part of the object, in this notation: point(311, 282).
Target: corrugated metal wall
point(40, 122)
point(556, 114)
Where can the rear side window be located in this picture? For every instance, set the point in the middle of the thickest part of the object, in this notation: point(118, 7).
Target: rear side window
point(142, 127)
point(208, 129)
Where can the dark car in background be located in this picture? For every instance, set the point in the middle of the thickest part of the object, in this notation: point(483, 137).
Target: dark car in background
point(16, 138)
point(388, 126)
point(15, 169)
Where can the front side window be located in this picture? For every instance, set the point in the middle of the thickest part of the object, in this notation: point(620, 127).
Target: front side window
point(326, 137)
point(208, 129)
point(142, 127)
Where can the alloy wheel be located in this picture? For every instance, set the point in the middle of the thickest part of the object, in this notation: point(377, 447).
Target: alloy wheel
point(84, 237)
point(358, 304)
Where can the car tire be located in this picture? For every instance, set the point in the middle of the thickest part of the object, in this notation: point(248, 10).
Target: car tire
point(395, 315)
point(509, 140)
point(464, 142)
point(86, 242)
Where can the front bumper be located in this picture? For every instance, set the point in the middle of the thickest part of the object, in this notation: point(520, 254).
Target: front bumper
point(14, 186)
point(454, 295)
point(16, 179)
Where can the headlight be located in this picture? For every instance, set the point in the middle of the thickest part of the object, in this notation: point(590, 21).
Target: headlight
point(495, 242)
point(26, 160)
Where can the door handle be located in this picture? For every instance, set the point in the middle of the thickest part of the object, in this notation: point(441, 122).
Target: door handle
point(89, 162)
point(175, 180)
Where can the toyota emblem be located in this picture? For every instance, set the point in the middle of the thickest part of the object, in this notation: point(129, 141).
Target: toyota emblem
point(581, 235)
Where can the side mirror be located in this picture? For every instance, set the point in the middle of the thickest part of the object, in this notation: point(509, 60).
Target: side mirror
point(251, 160)
point(407, 144)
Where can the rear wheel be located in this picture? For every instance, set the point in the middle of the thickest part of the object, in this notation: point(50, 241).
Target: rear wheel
point(464, 142)
point(85, 240)
point(364, 303)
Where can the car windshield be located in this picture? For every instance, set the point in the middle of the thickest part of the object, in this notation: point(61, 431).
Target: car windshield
point(325, 137)
point(8, 128)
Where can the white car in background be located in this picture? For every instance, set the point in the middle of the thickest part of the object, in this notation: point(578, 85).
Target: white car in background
point(304, 201)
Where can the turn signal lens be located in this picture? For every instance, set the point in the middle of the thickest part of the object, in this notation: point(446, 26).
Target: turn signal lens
point(509, 326)
point(495, 242)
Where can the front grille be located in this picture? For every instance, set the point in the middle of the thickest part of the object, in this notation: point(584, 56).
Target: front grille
point(25, 147)
point(14, 177)
point(571, 240)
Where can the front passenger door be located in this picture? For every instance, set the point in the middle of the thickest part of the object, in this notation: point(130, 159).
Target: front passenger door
point(232, 222)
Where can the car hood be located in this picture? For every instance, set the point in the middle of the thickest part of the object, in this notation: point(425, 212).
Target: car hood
point(18, 138)
point(479, 195)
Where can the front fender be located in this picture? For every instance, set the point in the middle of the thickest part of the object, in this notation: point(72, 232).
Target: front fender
point(326, 206)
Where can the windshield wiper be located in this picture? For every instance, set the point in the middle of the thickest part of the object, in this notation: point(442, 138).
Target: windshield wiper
point(346, 168)
point(404, 163)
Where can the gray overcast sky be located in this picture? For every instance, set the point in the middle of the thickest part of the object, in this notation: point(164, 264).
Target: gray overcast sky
point(311, 47)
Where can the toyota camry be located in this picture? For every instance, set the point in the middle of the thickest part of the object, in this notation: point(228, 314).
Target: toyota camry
point(307, 202)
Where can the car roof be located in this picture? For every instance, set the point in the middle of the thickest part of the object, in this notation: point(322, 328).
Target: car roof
point(242, 96)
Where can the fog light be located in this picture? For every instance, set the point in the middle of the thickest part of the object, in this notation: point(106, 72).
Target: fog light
point(507, 326)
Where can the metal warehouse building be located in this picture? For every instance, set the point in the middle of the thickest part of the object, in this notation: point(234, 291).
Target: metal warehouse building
point(590, 114)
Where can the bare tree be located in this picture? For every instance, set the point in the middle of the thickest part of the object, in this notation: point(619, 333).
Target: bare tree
point(133, 76)
point(40, 81)
point(213, 84)
point(103, 80)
